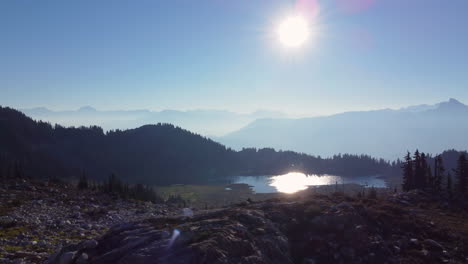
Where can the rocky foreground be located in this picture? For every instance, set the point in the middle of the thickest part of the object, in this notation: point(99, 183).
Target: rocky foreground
point(42, 223)
point(402, 228)
point(39, 218)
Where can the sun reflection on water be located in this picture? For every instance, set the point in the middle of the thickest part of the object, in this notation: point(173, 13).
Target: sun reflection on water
point(296, 181)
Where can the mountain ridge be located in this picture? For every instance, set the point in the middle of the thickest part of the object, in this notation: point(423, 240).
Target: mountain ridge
point(383, 133)
point(204, 121)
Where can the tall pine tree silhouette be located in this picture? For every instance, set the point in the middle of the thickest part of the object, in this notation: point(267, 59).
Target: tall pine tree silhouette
point(425, 172)
point(408, 175)
point(419, 170)
point(439, 170)
point(449, 185)
point(461, 173)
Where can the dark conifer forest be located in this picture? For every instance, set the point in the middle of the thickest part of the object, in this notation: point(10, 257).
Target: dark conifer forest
point(431, 174)
point(151, 154)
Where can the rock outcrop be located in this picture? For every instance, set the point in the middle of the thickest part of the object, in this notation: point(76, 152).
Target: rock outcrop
point(317, 229)
point(37, 219)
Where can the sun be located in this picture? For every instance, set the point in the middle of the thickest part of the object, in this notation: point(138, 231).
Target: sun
point(293, 31)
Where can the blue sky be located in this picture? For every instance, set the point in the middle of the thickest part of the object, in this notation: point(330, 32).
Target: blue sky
point(220, 54)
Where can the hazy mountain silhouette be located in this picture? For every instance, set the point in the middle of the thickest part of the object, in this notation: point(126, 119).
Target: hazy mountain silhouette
point(383, 133)
point(157, 154)
point(205, 122)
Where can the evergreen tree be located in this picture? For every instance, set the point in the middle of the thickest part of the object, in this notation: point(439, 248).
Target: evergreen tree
point(18, 171)
point(83, 182)
point(449, 185)
point(418, 170)
point(114, 185)
point(125, 191)
point(428, 177)
point(9, 171)
point(372, 193)
point(3, 163)
point(424, 172)
point(439, 171)
point(408, 175)
point(462, 173)
point(93, 185)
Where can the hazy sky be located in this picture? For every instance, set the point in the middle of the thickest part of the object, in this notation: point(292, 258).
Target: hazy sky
point(224, 54)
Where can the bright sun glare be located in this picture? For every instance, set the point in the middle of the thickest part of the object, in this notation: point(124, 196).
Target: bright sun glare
point(293, 31)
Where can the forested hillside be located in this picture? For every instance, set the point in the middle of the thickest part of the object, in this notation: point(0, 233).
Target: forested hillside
point(153, 154)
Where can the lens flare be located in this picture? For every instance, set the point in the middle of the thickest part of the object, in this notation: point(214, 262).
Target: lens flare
point(174, 236)
point(309, 8)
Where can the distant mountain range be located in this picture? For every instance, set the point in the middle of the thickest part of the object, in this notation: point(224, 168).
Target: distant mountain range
point(381, 133)
point(206, 122)
point(154, 154)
